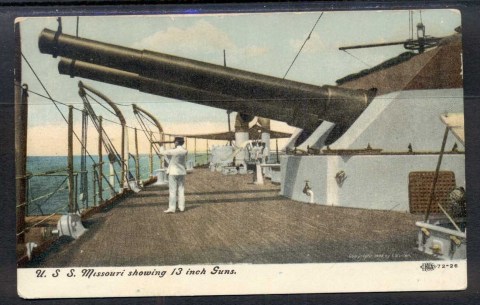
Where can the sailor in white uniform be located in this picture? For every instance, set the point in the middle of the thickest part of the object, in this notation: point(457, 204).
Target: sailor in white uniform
point(176, 175)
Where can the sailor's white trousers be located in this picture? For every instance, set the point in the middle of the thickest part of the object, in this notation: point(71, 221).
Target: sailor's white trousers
point(176, 185)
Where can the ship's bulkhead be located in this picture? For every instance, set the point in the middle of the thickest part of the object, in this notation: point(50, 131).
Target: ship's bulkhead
point(371, 164)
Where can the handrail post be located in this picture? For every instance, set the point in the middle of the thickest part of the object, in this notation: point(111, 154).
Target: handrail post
point(151, 154)
point(161, 157)
point(71, 190)
point(124, 161)
point(94, 180)
point(83, 163)
point(207, 151)
point(137, 161)
point(111, 177)
point(75, 194)
point(100, 160)
point(229, 128)
point(195, 151)
point(276, 148)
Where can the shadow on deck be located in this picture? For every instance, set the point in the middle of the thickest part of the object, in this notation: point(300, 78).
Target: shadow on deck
point(230, 220)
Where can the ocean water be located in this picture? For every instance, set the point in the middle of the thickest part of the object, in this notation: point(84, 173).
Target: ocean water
point(49, 193)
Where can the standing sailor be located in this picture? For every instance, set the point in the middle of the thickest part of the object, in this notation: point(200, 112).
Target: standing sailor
point(176, 174)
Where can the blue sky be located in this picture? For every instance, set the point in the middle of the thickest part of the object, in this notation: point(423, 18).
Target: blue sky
point(264, 43)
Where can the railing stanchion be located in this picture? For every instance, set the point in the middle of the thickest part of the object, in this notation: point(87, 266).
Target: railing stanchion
point(151, 154)
point(124, 157)
point(137, 161)
point(95, 181)
point(276, 148)
point(207, 151)
point(75, 196)
point(71, 187)
point(100, 160)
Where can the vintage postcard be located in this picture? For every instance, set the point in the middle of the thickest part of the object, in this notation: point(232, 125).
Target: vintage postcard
point(240, 153)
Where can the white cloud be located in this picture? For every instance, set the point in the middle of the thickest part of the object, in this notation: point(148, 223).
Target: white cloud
point(200, 38)
point(313, 45)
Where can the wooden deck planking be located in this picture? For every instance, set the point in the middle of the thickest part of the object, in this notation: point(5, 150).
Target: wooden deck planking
point(230, 220)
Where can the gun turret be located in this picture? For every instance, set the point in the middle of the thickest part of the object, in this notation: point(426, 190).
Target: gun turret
point(298, 104)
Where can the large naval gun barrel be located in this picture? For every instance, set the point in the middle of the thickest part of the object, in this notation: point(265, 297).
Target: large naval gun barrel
point(299, 104)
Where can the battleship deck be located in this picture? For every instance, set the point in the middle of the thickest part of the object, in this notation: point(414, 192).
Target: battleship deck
point(231, 220)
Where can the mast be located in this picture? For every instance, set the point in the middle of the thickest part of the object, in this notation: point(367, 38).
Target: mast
point(21, 119)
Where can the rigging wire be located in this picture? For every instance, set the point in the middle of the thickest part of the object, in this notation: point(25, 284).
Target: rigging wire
point(308, 37)
point(107, 141)
point(56, 106)
point(80, 110)
point(78, 21)
point(108, 144)
point(55, 103)
point(147, 118)
point(150, 131)
point(145, 129)
point(101, 104)
point(357, 58)
point(143, 125)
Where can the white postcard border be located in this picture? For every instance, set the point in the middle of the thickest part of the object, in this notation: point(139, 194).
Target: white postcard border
point(85, 282)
